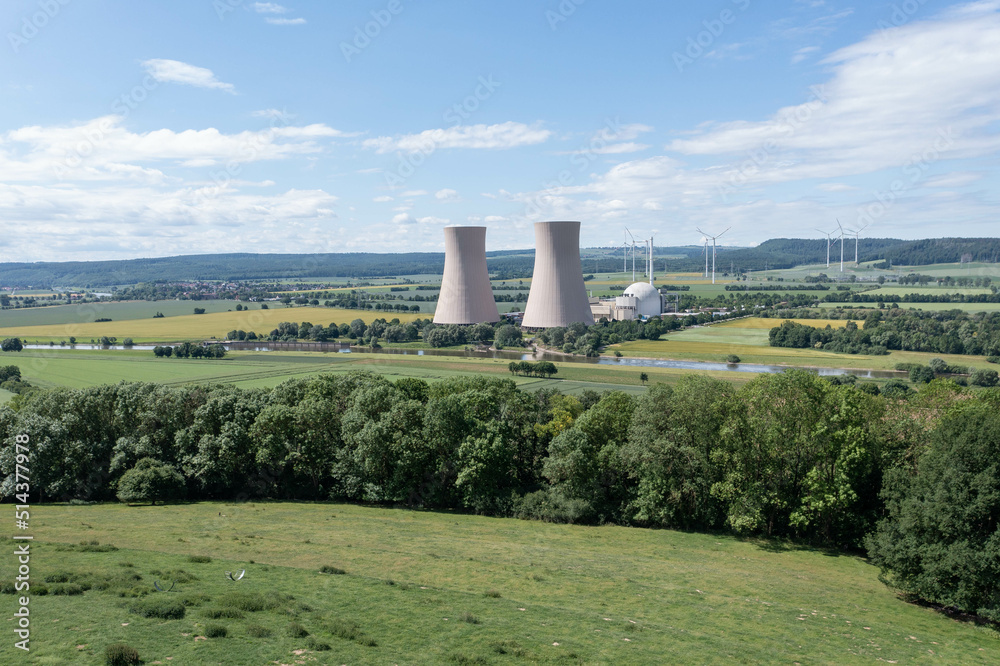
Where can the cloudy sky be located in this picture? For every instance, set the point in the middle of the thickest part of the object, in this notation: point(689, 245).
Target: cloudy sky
point(141, 128)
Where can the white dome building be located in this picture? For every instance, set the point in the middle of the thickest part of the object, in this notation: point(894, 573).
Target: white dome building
point(649, 302)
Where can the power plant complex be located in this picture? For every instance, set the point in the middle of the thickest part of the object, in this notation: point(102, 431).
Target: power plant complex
point(558, 294)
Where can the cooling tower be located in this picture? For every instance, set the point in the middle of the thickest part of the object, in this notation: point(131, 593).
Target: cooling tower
point(558, 296)
point(466, 295)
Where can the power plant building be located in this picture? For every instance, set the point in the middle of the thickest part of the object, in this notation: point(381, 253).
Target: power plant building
point(466, 294)
point(640, 300)
point(558, 296)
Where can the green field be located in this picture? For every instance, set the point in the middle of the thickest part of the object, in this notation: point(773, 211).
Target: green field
point(195, 327)
point(81, 368)
point(125, 310)
point(423, 587)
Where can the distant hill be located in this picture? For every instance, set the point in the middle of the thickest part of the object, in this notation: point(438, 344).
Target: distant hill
point(775, 253)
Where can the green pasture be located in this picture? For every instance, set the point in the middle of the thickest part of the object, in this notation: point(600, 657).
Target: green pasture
point(433, 588)
point(932, 290)
point(82, 368)
point(125, 310)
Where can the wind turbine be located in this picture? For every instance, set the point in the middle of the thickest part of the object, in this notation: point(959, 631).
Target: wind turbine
point(633, 252)
point(829, 237)
point(713, 249)
point(857, 235)
point(841, 246)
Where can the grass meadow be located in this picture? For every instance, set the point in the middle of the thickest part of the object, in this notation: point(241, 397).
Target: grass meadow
point(431, 588)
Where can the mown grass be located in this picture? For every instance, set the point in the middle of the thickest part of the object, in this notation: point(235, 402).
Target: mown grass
point(598, 594)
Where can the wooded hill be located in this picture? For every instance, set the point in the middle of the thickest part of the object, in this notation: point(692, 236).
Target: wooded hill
point(772, 254)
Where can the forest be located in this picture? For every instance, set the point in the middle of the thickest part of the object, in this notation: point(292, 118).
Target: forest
point(790, 455)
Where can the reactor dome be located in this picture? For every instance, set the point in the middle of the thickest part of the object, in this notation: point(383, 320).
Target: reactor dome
point(649, 303)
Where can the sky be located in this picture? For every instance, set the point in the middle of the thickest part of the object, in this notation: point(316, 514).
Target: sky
point(148, 128)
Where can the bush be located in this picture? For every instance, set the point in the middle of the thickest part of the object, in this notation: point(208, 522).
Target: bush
point(159, 608)
point(11, 344)
point(216, 631)
point(551, 506)
point(151, 481)
point(120, 654)
point(993, 359)
point(199, 559)
point(896, 388)
point(219, 613)
point(258, 631)
point(939, 541)
point(921, 374)
point(251, 602)
point(296, 630)
point(316, 645)
point(732, 358)
point(326, 569)
point(468, 617)
point(984, 378)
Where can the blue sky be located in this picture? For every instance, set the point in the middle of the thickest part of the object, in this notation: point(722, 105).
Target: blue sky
point(149, 128)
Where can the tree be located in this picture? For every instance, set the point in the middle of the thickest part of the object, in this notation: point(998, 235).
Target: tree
point(151, 481)
point(199, 310)
point(507, 335)
point(643, 377)
point(984, 378)
point(939, 540)
point(11, 344)
point(921, 374)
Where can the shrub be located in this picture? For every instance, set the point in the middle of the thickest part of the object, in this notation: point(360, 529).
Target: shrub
point(468, 617)
point(66, 589)
point(732, 358)
point(251, 602)
point(921, 374)
point(327, 569)
point(296, 630)
point(120, 654)
point(993, 359)
point(199, 559)
point(150, 481)
point(216, 631)
point(160, 608)
point(984, 378)
point(896, 388)
point(551, 506)
point(492, 594)
point(316, 645)
point(218, 613)
point(258, 631)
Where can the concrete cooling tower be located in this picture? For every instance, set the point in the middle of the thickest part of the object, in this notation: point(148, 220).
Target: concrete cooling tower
point(466, 295)
point(558, 296)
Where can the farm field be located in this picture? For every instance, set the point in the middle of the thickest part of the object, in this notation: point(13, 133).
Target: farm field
point(196, 327)
point(81, 368)
point(929, 290)
point(126, 310)
point(423, 587)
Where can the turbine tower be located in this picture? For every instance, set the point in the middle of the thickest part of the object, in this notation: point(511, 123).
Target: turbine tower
point(841, 246)
point(713, 250)
point(829, 237)
point(857, 236)
point(558, 296)
point(466, 295)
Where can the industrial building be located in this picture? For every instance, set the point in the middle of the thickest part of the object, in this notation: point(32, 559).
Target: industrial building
point(640, 300)
point(466, 295)
point(558, 296)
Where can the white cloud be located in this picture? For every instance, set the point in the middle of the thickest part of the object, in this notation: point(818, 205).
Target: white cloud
point(103, 149)
point(175, 71)
point(269, 8)
point(446, 195)
point(403, 218)
point(501, 136)
point(803, 53)
point(414, 193)
point(382, 199)
point(286, 21)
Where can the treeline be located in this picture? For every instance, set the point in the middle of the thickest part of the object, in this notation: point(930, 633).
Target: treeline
point(776, 287)
point(189, 350)
point(856, 297)
point(589, 340)
point(938, 251)
point(786, 455)
point(949, 332)
point(536, 369)
point(947, 281)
